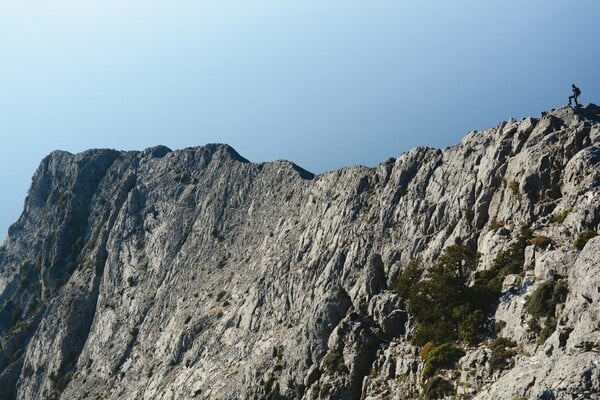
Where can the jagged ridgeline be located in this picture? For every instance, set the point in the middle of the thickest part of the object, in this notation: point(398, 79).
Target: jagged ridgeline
point(466, 272)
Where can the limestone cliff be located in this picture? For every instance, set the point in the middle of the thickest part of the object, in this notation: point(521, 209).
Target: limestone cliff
point(196, 274)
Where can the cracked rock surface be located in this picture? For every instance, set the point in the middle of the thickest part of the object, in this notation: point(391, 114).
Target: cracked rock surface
point(194, 273)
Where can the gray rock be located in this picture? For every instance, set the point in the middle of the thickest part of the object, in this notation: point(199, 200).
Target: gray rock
point(511, 283)
point(554, 263)
point(197, 274)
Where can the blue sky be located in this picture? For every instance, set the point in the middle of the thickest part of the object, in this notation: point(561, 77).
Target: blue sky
point(325, 84)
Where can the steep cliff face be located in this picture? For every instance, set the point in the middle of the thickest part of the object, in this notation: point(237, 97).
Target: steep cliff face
point(197, 274)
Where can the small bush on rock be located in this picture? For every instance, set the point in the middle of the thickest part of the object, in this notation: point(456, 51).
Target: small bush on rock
point(334, 363)
point(548, 329)
point(502, 353)
point(441, 357)
point(514, 188)
point(471, 325)
point(543, 301)
point(583, 238)
point(438, 388)
point(444, 306)
point(560, 217)
point(408, 277)
point(542, 305)
point(499, 325)
point(506, 262)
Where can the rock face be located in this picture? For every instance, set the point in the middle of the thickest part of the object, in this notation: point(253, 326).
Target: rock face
point(197, 274)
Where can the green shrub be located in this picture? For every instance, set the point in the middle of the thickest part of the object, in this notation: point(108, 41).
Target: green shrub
point(506, 262)
point(408, 278)
point(514, 188)
point(438, 388)
point(561, 216)
point(441, 357)
point(469, 214)
point(334, 362)
point(472, 323)
point(443, 301)
point(583, 238)
point(502, 354)
point(445, 307)
point(499, 325)
point(533, 325)
point(543, 301)
point(442, 331)
point(542, 304)
point(548, 329)
point(443, 304)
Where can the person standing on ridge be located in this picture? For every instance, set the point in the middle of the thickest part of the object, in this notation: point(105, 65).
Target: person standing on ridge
point(576, 93)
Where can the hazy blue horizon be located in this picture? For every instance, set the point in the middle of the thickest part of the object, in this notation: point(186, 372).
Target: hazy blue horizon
point(325, 85)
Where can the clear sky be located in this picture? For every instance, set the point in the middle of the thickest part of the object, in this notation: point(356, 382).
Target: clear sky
point(325, 84)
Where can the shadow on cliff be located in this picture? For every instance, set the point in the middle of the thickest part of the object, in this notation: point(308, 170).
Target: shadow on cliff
point(591, 112)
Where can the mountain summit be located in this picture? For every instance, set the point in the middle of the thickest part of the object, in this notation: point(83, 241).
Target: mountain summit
point(466, 272)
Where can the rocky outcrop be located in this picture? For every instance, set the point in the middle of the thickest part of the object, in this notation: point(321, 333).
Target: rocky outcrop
point(197, 274)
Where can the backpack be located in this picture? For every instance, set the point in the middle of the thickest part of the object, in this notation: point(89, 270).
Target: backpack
point(577, 91)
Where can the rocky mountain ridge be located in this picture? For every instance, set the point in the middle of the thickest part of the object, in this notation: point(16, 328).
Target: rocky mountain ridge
point(196, 274)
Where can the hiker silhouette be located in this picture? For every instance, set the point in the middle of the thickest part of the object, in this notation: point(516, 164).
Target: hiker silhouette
point(576, 93)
